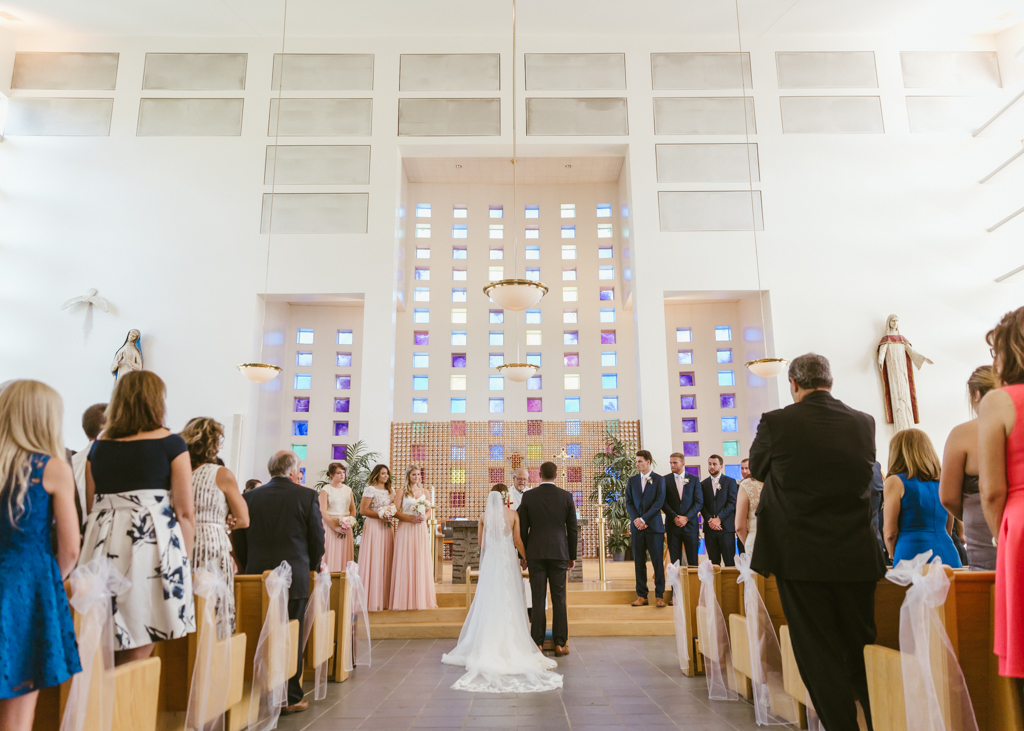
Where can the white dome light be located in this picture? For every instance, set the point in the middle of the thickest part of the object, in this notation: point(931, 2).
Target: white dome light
point(515, 294)
point(767, 367)
point(259, 372)
point(518, 372)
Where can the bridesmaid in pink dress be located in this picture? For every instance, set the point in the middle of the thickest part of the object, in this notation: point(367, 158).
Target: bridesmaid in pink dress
point(336, 504)
point(412, 578)
point(377, 547)
point(1001, 473)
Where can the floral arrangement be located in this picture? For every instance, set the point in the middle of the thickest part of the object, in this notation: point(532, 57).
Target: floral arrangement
point(347, 522)
point(387, 514)
point(421, 505)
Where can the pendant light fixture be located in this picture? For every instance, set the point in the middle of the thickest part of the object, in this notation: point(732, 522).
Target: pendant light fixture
point(264, 372)
point(764, 367)
point(515, 294)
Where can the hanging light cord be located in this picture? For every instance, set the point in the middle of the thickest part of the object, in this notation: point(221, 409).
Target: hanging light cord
point(750, 179)
point(515, 182)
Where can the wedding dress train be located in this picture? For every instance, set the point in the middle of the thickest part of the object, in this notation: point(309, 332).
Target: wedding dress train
point(495, 645)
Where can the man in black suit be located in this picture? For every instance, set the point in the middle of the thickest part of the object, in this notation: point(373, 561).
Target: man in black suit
point(814, 533)
point(683, 500)
point(719, 511)
point(645, 497)
point(547, 525)
point(284, 525)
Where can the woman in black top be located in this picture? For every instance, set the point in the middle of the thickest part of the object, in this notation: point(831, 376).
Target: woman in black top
point(141, 516)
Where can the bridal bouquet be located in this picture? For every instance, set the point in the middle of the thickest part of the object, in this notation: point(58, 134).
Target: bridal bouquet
point(387, 514)
point(347, 522)
point(420, 506)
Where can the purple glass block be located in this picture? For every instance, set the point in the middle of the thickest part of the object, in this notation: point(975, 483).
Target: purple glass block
point(607, 294)
point(534, 405)
point(458, 360)
point(607, 337)
point(341, 405)
point(572, 360)
point(341, 428)
point(343, 383)
point(691, 449)
point(693, 469)
point(728, 400)
point(687, 402)
point(686, 379)
point(340, 451)
point(689, 426)
point(302, 404)
point(421, 338)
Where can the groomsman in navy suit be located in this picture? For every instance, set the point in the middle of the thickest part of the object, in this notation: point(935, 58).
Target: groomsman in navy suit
point(719, 510)
point(645, 497)
point(684, 498)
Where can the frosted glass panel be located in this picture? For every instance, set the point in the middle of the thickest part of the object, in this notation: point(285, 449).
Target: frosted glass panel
point(570, 117)
point(701, 71)
point(571, 71)
point(449, 72)
point(195, 71)
point(321, 117)
point(64, 71)
point(712, 163)
point(190, 118)
point(449, 117)
point(927, 69)
point(721, 115)
point(841, 115)
point(723, 210)
point(45, 117)
point(323, 71)
point(315, 213)
point(318, 165)
point(838, 70)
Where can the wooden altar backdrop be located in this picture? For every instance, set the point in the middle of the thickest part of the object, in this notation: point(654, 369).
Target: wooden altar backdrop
point(461, 460)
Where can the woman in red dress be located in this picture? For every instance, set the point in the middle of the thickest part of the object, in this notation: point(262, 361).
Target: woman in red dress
point(1001, 472)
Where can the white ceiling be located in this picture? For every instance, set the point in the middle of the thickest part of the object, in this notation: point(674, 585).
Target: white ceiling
point(531, 170)
point(330, 18)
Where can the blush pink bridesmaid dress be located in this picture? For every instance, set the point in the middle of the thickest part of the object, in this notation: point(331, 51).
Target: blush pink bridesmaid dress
point(412, 578)
point(376, 552)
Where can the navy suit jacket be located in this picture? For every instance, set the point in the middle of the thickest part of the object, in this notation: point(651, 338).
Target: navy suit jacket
point(722, 506)
point(689, 506)
point(646, 505)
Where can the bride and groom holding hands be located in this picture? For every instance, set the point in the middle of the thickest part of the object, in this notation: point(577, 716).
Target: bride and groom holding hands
point(500, 653)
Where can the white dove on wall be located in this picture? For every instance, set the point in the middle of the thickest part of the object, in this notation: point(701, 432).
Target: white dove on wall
point(90, 298)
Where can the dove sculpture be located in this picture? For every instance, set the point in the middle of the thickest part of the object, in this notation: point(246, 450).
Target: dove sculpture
point(90, 298)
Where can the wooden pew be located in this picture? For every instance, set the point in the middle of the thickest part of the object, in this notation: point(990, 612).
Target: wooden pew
point(341, 603)
point(728, 593)
point(320, 646)
point(690, 597)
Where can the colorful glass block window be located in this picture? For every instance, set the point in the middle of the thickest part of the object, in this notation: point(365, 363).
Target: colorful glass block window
point(685, 357)
point(300, 450)
point(534, 383)
point(607, 314)
point(609, 380)
point(533, 232)
point(532, 212)
point(419, 428)
point(571, 360)
point(422, 210)
point(572, 381)
point(495, 359)
point(604, 252)
point(691, 449)
point(304, 336)
point(459, 295)
point(608, 358)
point(688, 402)
point(533, 474)
point(495, 475)
point(496, 428)
point(457, 500)
point(302, 475)
point(604, 210)
point(341, 428)
point(300, 428)
point(303, 360)
point(458, 275)
point(573, 427)
point(344, 360)
point(495, 273)
point(420, 360)
point(533, 317)
point(723, 333)
point(344, 337)
point(574, 474)
point(301, 404)
point(459, 316)
point(419, 406)
point(458, 406)
point(422, 252)
point(533, 359)
point(495, 383)
point(574, 450)
point(727, 400)
point(533, 252)
point(689, 426)
point(607, 294)
point(495, 231)
point(568, 251)
point(342, 405)
point(534, 451)
point(693, 469)
point(726, 378)
point(604, 230)
point(458, 252)
point(423, 230)
point(725, 355)
point(572, 405)
point(495, 212)
point(496, 337)
point(568, 210)
point(610, 403)
point(534, 428)
point(421, 294)
point(422, 273)
point(570, 316)
point(570, 294)
point(460, 231)
point(497, 316)
point(534, 405)
point(606, 272)
point(684, 335)
point(339, 451)
point(533, 274)
point(686, 380)
point(534, 337)
point(607, 337)
point(730, 424)
point(459, 212)
point(457, 475)
point(734, 471)
point(458, 337)
point(303, 381)
point(569, 275)
point(343, 383)
point(568, 232)
point(419, 383)
point(421, 337)
point(458, 383)
point(497, 252)
point(731, 449)
point(458, 428)
point(570, 337)
point(496, 451)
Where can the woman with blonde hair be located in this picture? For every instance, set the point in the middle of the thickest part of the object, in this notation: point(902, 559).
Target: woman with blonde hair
point(218, 503)
point(412, 578)
point(138, 491)
point(377, 547)
point(37, 490)
point(958, 487)
point(337, 504)
point(914, 519)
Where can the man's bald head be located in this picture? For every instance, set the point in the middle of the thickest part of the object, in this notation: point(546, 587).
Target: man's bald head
point(283, 464)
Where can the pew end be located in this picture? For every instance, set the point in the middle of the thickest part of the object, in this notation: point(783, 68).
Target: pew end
point(741, 669)
point(341, 602)
point(885, 688)
point(791, 679)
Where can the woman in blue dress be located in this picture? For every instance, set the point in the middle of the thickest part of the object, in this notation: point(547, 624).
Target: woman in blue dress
point(914, 519)
point(37, 490)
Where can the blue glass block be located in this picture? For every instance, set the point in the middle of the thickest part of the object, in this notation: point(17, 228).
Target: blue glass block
point(689, 426)
point(458, 406)
point(304, 360)
point(303, 381)
point(574, 450)
point(534, 383)
point(302, 473)
point(573, 427)
point(344, 360)
point(420, 383)
point(731, 449)
point(725, 355)
point(730, 424)
point(496, 451)
point(607, 295)
point(300, 450)
point(609, 380)
point(572, 405)
point(458, 453)
point(497, 428)
point(726, 378)
point(723, 333)
point(419, 406)
point(496, 405)
point(733, 471)
point(610, 403)
point(300, 428)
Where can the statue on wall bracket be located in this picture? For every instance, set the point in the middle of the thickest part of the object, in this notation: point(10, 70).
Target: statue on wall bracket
point(897, 360)
point(129, 356)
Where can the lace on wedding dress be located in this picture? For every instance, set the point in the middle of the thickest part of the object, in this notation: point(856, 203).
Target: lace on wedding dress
point(495, 645)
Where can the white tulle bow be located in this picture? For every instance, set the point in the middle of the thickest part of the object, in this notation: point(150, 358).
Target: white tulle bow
point(275, 660)
point(926, 652)
point(319, 605)
point(93, 587)
point(715, 645)
point(209, 688)
point(360, 654)
point(676, 575)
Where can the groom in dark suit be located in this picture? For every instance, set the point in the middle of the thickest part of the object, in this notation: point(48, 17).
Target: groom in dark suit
point(719, 510)
point(547, 525)
point(684, 498)
point(645, 497)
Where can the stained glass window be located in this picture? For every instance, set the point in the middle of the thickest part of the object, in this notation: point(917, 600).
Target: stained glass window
point(300, 428)
point(691, 449)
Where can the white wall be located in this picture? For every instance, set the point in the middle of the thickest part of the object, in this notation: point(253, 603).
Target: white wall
point(856, 227)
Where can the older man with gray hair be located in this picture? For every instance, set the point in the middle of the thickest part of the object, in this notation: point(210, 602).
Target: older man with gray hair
point(519, 479)
point(284, 525)
point(815, 458)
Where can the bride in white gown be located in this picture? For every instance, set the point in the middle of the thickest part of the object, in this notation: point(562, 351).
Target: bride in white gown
point(495, 645)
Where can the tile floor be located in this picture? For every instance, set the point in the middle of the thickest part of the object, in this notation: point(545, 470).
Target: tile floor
point(609, 683)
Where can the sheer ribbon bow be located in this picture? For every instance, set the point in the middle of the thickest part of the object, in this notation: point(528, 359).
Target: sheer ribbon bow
point(275, 658)
point(212, 672)
point(715, 645)
point(676, 575)
point(319, 605)
point(360, 654)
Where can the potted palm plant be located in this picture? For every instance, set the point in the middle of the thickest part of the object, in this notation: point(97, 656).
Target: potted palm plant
point(360, 463)
point(615, 465)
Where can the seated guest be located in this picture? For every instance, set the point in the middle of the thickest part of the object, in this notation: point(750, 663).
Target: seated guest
point(747, 498)
point(958, 486)
point(645, 497)
point(37, 489)
point(218, 502)
point(141, 516)
point(251, 485)
point(915, 520)
point(719, 510)
point(336, 504)
point(92, 424)
point(284, 525)
point(683, 500)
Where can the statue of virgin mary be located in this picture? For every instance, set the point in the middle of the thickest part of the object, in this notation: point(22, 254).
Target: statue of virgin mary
point(128, 357)
point(897, 360)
